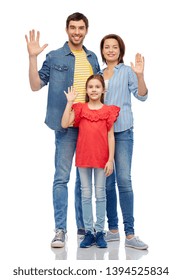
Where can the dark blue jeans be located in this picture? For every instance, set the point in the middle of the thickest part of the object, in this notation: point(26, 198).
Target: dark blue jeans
point(121, 176)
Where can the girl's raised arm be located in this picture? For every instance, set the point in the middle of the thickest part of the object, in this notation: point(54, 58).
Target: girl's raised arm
point(68, 115)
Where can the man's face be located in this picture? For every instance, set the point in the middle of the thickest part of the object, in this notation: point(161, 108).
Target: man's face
point(76, 33)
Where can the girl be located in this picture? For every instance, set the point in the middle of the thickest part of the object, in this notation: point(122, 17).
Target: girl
point(94, 152)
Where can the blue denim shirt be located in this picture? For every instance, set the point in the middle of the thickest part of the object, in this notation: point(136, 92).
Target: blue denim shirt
point(58, 71)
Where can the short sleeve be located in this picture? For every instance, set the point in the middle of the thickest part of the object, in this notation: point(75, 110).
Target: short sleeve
point(113, 114)
point(77, 107)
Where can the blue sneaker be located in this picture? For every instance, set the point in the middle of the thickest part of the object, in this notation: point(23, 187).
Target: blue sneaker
point(136, 243)
point(88, 240)
point(111, 236)
point(100, 241)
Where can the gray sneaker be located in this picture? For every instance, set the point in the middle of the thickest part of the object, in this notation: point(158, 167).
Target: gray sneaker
point(136, 243)
point(59, 239)
point(110, 236)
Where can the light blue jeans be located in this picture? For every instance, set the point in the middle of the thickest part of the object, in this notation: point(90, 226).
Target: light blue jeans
point(100, 195)
point(122, 175)
point(65, 142)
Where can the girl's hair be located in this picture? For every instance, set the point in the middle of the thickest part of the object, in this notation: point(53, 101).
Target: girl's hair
point(77, 17)
point(100, 79)
point(120, 43)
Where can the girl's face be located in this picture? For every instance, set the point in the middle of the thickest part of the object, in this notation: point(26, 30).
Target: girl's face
point(111, 50)
point(95, 89)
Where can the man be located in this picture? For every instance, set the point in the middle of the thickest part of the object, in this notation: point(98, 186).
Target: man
point(69, 65)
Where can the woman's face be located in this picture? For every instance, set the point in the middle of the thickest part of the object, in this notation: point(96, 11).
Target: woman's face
point(111, 50)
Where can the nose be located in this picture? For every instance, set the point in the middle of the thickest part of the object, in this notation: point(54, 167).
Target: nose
point(77, 30)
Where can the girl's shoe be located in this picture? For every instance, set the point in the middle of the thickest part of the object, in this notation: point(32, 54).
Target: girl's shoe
point(100, 241)
point(88, 240)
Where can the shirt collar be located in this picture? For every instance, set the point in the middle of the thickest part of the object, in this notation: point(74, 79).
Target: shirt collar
point(118, 66)
point(67, 49)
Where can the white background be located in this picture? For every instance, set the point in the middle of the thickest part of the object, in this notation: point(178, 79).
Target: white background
point(152, 28)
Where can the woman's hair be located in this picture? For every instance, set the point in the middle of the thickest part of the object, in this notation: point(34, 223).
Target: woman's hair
point(100, 79)
point(77, 17)
point(120, 43)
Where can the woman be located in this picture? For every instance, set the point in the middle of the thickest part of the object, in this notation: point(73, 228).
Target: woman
point(121, 81)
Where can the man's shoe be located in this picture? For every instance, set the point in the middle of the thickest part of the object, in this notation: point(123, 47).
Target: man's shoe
point(59, 239)
point(88, 240)
point(136, 243)
point(100, 241)
point(111, 236)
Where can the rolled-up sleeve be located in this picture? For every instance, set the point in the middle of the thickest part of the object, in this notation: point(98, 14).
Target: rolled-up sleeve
point(133, 85)
point(44, 72)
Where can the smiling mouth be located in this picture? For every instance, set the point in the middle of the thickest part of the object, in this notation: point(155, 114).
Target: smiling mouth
point(76, 37)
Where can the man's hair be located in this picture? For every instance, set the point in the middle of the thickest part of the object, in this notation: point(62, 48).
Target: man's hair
point(77, 17)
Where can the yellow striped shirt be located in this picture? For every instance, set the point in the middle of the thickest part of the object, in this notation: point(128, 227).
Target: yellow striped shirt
point(83, 70)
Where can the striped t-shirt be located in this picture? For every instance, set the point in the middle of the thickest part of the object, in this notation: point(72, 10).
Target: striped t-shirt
point(83, 70)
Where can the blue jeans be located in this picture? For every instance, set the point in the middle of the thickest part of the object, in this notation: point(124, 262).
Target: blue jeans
point(65, 142)
point(123, 160)
point(100, 195)
point(78, 202)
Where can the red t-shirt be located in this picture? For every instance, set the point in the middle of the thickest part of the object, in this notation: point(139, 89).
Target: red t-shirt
point(92, 144)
